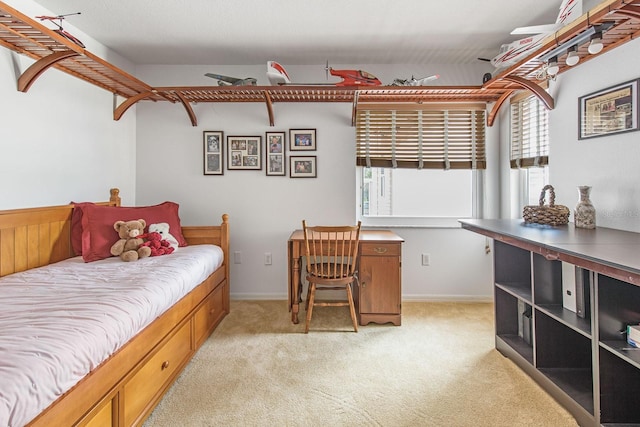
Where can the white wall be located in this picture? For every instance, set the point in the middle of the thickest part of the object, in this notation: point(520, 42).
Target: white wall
point(264, 210)
point(59, 141)
point(609, 164)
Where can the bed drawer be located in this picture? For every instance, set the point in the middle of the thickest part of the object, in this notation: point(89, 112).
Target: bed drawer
point(148, 382)
point(100, 417)
point(209, 314)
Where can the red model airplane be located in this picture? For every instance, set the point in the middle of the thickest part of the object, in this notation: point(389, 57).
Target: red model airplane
point(278, 76)
point(355, 77)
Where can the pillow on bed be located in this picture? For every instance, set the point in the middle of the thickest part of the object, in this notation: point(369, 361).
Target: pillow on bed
point(76, 227)
point(98, 234)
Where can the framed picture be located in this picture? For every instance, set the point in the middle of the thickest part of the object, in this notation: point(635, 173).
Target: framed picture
point(244, 152)
point(212, 141)
point(609, 111)
point(275, 153)
point(303, 167)
point(302, 139)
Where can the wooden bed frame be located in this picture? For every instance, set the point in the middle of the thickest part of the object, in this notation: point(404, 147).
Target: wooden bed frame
point(126, 387)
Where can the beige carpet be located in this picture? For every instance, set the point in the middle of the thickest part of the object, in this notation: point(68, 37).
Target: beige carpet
point(439, 368)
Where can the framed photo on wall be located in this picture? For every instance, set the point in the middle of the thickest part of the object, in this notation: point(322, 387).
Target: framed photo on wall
point(275, 153)
point(609, 111)
point(303, 167)
point(244, 152)
point(302, 139)
point(213, 158)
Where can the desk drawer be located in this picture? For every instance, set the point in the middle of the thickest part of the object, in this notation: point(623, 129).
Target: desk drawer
point(380, 249)
point(140, 390)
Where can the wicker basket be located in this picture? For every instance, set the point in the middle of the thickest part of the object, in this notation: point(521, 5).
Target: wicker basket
point(550, 214)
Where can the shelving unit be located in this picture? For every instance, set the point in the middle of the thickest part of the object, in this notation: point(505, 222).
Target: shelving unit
point(26, 36)
point(583, 362)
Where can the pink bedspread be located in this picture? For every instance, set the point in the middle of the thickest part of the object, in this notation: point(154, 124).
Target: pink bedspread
point(59, 322)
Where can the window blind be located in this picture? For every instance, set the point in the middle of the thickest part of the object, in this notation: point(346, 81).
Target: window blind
point(425, 138)
point(529, 133)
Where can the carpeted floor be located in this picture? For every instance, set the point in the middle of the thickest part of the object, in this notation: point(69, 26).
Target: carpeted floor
point(439, 368)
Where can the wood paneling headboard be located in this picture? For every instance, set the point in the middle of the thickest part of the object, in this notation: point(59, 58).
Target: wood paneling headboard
point(34, 237)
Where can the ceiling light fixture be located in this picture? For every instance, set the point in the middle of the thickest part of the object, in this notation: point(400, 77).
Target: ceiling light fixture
point(596, 43)
point(572, 57)
point(552, 66)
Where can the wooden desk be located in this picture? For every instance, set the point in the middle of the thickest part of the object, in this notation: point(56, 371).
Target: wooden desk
point(378, 294)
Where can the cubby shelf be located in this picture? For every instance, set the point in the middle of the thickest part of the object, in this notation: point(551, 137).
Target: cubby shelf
point(583, 362)
point(569, 318)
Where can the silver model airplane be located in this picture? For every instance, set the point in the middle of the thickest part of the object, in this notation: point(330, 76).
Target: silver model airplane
point(232, 81)
point(413, 81)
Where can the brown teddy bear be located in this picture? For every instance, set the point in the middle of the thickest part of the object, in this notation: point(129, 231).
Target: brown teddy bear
point(128, 247)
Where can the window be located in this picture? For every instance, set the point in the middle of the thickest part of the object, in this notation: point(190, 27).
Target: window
point(529, 133)
point(418, 164)
point(530, 147)
point(537, 178)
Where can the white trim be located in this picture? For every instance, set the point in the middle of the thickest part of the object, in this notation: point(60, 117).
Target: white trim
point(448, 298)
point(407, 298)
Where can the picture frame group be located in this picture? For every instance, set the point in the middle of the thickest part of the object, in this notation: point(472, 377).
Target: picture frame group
point(245, 153)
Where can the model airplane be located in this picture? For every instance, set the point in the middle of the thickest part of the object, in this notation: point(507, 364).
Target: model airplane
point(61, 30)
point(232, 81)
point(413, 81)
point(355, 78)
point(513, 52)
point(277, 75)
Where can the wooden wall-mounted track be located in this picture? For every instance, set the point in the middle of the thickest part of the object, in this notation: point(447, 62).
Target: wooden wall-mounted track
point(49, 49)
point(26, 36)
point(271, 95)
point(623, 17)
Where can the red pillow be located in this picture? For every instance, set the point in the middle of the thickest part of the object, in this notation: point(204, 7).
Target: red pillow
point(98, 234)
point(76, 226)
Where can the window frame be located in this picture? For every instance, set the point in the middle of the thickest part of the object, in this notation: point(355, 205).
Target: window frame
point(477, 191)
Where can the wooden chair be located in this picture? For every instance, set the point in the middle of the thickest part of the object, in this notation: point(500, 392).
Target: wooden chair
point(331, 254)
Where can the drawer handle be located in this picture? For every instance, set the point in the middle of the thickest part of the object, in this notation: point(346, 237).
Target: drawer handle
point(551, 257)
point(212, 311)
point(380, 250)
point(165, 365)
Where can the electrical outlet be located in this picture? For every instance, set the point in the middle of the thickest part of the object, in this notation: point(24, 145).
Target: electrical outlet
point(426, 259)
point(237, 257)
point(267, 258)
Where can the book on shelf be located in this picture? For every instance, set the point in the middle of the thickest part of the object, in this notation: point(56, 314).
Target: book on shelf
point(633, 335)
point(568, 286)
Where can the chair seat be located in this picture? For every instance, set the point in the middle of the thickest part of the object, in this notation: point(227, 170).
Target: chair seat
point(330, 271)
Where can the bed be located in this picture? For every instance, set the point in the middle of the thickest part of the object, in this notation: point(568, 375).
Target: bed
point(98, 342)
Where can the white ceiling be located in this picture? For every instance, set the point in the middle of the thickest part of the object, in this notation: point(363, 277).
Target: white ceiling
point(304, 32)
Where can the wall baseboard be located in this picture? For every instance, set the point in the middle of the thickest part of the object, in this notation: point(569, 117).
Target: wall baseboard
point(412, 298)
